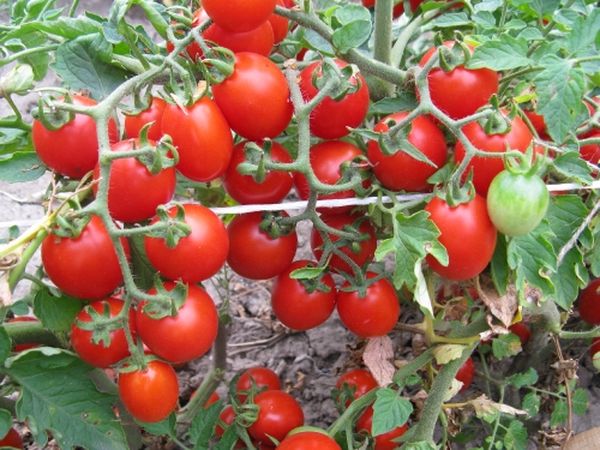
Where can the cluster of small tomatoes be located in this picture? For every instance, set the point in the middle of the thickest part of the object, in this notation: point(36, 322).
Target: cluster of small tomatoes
point(254, 102)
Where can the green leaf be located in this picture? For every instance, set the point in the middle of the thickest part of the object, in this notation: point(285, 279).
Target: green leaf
point(565, 214)
point(421, 445)
point(203, 426)
point(451, 20)
point(414, 237)
point(66, 27)
point(143, 272)
point(349, 13)
point(505, 53)
point(390, 410)
point(5, 422)
point(351, 35)
point(528, 378)
point(571, 165)
point(227, 441)
point(506, 345)
point(594, 257)
point(533, 259)
point(57, 396)
point(38, 61)
point(5, 345)
point(531, 403)
point(584, 33)
point(560, 87)
point(406, 101)
point(500, 270)
point(165, 427)
point(559, 413)
point(20, 167)
point(18, 80)
point(81, 64)
point(571, 276)
point(581, 401)
point(314, 41)
point(56, 313)
point(516, 436)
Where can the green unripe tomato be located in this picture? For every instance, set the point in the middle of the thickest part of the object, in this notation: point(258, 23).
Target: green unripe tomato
point(517, 202)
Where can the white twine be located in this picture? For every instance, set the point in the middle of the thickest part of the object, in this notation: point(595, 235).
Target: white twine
point(331, 203)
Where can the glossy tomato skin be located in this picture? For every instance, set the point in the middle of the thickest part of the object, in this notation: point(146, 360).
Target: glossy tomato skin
point(239, 15)
point(361, 255)
point(244, 189)
point(517, 203)
point(255, 99)
point(371, 316)
point(279, 24)
point(460, 92)
point(398, 8)
point(197, 256)
point(253, 253)
point(466, 223)
point(326, 160)
point(154, 113)
point(330, 119)
point(258, 40)
point(400, 171)
point(12, 439)
point(308, 440)
point(26, 346)
point(202, 138)
point(261, 378)
point(465, 374)
point(85, 267)
point(384, 441)
point(185, 336)
point(72, 150)
point(359, 380)
point(589, 303)
point(150, 394)
point(279, 413)
point(485, 169)
point(297, 308)
point(591, 152)
point(522, 331)
point(133, 192)
point(99, 355)
point(538, 122)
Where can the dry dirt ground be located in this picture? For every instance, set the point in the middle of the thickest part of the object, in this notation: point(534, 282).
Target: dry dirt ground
point(308, 363)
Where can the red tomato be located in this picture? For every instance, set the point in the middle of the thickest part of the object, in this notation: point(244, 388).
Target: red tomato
point(253, 253)
point(385, 441)
point(591, 152)
point(279, 413)
point(258, 40)
point(255, 99)
point(197, 256)
point(538, 123)
point(12, 439)
point(595, 348)
point(331, 118)
point(184, 336)
point(373, 315)
point(133, 192)
point(467, 233)
point(485, 169)
point(398, 8)
point(465, 374)
point(154, 113)
point(150, 394)
point(400, 171)
point(259, 378)
point(308, 440)
point(295, 306)
point(202, 137)
point(101, 354)
point(326, 160)
point(522, 331)
point(227, 417)
point(245, 190)
point(239, 15)
point(279, 24)
point(72, 150)
point(360, 251)
point(360, 381)
point(460, 92)
point(22, 347)
point(214, 398)
point(85, 267)
point(589, 303)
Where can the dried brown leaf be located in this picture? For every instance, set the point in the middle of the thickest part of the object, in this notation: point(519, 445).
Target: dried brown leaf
point(379, 359)
point(503, 307)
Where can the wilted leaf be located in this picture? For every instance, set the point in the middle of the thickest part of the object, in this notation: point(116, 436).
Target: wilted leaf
point(379, 359)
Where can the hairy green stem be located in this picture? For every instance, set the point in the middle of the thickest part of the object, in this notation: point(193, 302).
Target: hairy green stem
point(383, 37)
point(30, 332)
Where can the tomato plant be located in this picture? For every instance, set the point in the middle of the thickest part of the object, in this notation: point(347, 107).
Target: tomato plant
point(302, 307)
point(360, 381)
point(259, 378)
point(153, 114)
point(589, 303)
point(401, 171)
point(255, 254)
point(308, 440)
point(239, 15)
point(467, 222)
point(465, 374)
point(259, 40)
point(373, 314)
point(195, 257)
point(150, 394)
point(134, 192)
point(185, 335)
point(12, 439)
point(385, 441)
point(22, 347)
point(522, 330)
point(104, 353)
point(278, 414)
